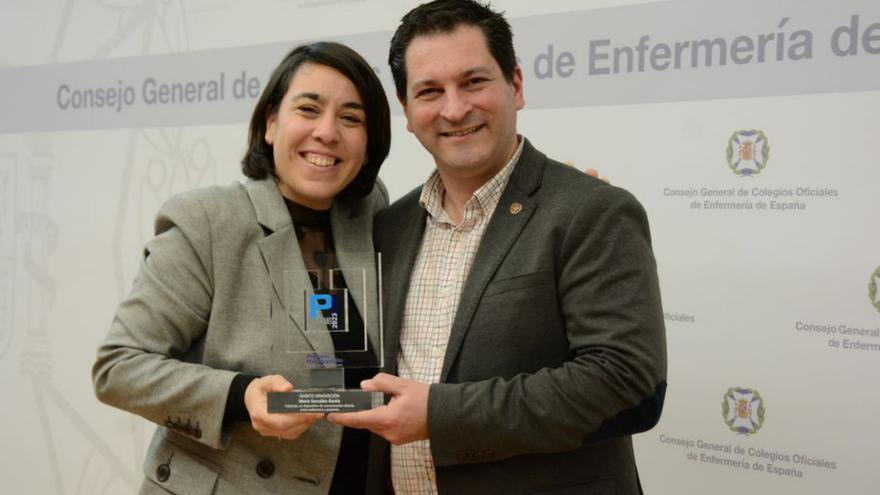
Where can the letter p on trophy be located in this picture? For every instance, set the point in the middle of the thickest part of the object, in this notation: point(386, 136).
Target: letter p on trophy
point(334, 334)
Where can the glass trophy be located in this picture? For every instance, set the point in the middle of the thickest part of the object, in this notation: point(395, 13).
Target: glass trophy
point(334, 329)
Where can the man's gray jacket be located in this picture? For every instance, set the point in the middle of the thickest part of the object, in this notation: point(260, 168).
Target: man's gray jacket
point(557, 353)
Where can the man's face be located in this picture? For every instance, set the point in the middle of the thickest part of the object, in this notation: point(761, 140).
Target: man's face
point(459, 105)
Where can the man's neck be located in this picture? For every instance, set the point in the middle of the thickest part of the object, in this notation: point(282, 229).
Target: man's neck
point(460, 188)
point(457, 192)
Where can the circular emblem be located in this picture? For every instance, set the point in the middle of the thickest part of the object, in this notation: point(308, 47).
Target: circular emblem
point(743, 410)
point(748, 152)
point(515, 208)
point(872, 288)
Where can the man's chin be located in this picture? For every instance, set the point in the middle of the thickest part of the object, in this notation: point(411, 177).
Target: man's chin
point(463, 164)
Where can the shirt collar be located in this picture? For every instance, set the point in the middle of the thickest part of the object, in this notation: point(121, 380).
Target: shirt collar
point(483, 201)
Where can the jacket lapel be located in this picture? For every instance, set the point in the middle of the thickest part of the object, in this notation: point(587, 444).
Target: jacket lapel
point(503, 230)
point(352, 240)
point(400, 246)
point(283, 258)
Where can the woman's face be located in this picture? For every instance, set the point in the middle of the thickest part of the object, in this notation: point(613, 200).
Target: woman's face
point(318, 136)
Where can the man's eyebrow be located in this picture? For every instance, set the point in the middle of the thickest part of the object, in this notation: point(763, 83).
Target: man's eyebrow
point(316, 97)
point(465, 73)
point(473, 70)
point(424, 82)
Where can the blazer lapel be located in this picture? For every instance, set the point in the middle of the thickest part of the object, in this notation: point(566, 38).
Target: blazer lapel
point(353, 241)
point(503, 230)
point(400, 246)
point(283, 258)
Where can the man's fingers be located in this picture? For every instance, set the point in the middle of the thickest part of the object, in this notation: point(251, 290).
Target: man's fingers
point(364, 420)
point(383, 382)
point(592, 172)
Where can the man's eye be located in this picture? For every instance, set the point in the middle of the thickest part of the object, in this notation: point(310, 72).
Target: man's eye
point(427, 92)
point(477, 80)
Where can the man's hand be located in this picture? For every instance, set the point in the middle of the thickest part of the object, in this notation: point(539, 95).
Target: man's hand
point(285, 426)
point(403, 420)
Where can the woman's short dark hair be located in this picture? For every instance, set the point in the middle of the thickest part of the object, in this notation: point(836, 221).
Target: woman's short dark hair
point(258, 161)
point(444, 16)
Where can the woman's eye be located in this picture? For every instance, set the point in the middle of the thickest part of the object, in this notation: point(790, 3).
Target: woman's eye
point(352, 118)
point(308, 109)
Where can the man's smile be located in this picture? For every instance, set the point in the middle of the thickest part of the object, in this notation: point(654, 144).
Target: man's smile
point(462, 132)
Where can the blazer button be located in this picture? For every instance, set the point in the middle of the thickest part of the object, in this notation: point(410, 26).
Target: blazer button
point(163, 472)
point(265, 468)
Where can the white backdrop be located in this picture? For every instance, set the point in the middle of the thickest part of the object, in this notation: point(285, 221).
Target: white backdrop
point(771, 294)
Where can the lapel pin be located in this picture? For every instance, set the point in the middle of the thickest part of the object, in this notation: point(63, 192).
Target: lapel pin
point(515, 208)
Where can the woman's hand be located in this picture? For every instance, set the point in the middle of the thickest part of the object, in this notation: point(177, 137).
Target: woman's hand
point(285, 426)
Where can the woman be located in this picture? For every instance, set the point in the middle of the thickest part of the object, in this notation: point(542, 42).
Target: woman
point(206, 316)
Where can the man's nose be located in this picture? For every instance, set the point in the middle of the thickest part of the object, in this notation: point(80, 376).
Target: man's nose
point(456, 106)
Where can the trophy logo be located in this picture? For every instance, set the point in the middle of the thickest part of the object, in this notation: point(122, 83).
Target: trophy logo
point(873, 294)
point(743, 410)
point(748, 152)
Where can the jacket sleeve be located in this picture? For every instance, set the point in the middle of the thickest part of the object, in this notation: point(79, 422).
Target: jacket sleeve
point(613, 382)
point(149, 362)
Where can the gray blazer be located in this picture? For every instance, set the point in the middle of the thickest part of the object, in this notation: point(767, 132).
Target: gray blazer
point(557, 352)
point(209, 301)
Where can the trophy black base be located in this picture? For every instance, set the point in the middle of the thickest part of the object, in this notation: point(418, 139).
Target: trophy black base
point(324, 401)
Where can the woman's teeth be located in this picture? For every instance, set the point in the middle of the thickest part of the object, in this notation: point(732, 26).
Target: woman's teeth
point(320, 160)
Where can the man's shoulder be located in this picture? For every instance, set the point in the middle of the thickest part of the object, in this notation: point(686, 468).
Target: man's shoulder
point(405, 206)
point(567, 186)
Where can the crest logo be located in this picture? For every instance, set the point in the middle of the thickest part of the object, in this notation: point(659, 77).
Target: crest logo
point(743, 410)
point(873, 284)
point(748, 152)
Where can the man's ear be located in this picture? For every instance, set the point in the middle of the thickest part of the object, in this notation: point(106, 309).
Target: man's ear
point(402, 100)
point(517, 84)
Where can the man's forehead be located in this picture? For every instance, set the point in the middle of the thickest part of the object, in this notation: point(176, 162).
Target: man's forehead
point(462, 49)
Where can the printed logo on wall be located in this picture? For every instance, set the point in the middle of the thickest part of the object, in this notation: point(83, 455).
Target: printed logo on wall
point(743, 410)
point(872, 288)
point(748, 152)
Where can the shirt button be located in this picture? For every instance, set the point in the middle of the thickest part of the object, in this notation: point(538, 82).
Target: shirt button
point(436, 352)
point(444, 293)
point(431, 474)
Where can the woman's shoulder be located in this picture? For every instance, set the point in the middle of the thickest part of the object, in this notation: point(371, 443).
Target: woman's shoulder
point(214, 206)
point(214, 196)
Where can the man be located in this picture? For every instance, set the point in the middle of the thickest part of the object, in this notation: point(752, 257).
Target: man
point(523, 312)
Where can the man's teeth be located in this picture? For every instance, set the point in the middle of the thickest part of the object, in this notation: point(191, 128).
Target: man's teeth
point(464, 132)
point(320, 160)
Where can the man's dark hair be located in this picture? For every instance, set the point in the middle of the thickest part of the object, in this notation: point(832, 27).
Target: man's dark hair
point(444, 16)
point(258, 161)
